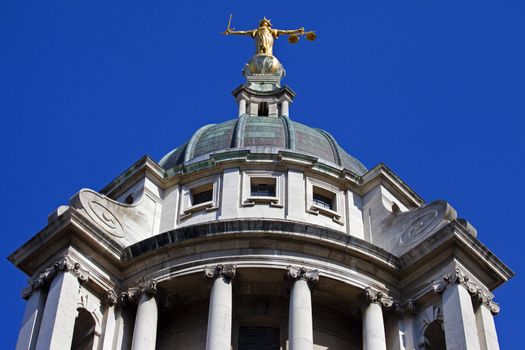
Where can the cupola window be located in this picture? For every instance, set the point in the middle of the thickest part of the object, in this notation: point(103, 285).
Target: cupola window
point(202, 194)
point(323, 198)
point(263, 187)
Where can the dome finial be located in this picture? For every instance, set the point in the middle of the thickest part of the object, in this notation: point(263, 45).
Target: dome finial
point(264, 35)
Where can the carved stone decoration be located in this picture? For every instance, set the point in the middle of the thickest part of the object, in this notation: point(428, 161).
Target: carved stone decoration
point(487, 301)
point(401, 230)
point(96, 207)
point(44, 278)
point(301, 273)
point(111, 297)
point(373, 296)
point(424, 221)
point(407, 306)
point(148, 287)
point(459, 277)
point(223, 271)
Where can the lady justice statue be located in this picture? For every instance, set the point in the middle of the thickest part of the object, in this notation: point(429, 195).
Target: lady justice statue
point(264, 35)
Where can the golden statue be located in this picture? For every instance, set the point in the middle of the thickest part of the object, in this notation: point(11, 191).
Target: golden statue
point(264, 35)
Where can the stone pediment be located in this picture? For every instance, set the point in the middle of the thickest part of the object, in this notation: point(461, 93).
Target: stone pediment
point(403, 230)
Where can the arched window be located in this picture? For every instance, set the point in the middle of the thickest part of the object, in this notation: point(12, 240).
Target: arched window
point(435, 336)
point(84, 331)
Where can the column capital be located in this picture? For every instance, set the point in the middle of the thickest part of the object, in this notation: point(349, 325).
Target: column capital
point(405, 307)
point(148, 287)
point(302, 273)
point(485, 300)
point(374, 296)
point(112, 297)
point(227, 271)
point(459, 277)
point(44, 278)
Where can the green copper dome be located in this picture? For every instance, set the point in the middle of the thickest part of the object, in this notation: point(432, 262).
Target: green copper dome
point(262, 135)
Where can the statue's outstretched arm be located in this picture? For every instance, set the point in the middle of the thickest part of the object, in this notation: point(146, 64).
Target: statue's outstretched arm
point(239, 32)
point(291, 31)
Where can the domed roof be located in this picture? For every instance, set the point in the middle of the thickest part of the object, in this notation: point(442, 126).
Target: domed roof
point(258, 134)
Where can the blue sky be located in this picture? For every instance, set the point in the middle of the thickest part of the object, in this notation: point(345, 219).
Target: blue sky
point(434, 89)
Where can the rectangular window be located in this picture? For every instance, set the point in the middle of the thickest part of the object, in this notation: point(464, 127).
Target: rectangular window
point(201, 194)
point(259, 338)
point(262, 187)
point(323, 198)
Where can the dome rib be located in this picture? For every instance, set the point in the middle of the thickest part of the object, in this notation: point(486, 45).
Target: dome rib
point(239, 130)
point(190, 150)
point(290, 132)
point(333, 144)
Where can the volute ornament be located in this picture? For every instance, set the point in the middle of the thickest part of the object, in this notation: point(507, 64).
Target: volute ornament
point(148, 287)
point(302, 273)
point(373, 296)
point(43, 279)
point(227, 271)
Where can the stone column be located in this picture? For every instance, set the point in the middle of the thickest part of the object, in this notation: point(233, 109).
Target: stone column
point(373, 324)
point(285, 109)
point(484, 312)
point(110, 321)
point(28, 335)
point(220, 312)
point(145, 331)
point(242, 107)
point(458, 312)
point(300, 324)
point(60, 312)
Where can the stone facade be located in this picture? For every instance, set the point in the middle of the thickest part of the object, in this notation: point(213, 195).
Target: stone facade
point(258, 231)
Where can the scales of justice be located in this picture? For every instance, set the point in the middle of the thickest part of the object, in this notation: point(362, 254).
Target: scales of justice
point(264, 71)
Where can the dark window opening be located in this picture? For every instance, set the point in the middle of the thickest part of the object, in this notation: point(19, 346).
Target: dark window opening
point(83, 331)
point(262, 187)
point(202, 194)
point(435, 336)
point(323, 198)
point(259, 338)
point(263, 109)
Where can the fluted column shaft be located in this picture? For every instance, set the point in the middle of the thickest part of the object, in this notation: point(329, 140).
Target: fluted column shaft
point(300, 323)
point(220, 310)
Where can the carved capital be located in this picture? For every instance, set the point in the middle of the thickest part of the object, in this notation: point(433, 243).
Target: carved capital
point(373, 296)
point(43, 279)
point(301, 273)
point(111, 297)
point(485, 300)
point(407, 306)
point(458, 277)
point(148, 287)
point(226, 272)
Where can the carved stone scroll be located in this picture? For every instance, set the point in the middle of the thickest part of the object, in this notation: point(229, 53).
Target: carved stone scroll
point(310, 276)
point(227, 272)
point(373, 296)
point(148, 287)
point(43, 279)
